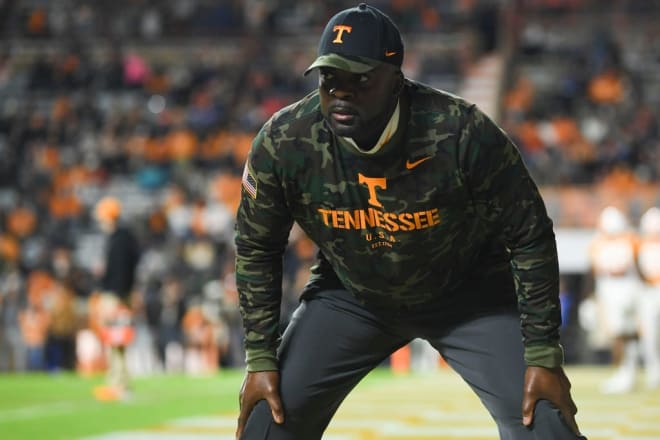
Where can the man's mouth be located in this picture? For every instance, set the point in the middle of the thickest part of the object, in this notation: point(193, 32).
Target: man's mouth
point(342, 114)
point(342, 117)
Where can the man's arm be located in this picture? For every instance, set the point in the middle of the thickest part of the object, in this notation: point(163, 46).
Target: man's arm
point(509, 201)
point(263, 224)
point(262, 227)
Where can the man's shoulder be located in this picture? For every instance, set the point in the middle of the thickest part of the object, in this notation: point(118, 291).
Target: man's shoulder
point(425, 98)
point(297, 117)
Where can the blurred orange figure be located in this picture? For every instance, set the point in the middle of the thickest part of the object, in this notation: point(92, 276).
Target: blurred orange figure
point(613, 254)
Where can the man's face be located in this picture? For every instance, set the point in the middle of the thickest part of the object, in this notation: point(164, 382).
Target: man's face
point(359, 105)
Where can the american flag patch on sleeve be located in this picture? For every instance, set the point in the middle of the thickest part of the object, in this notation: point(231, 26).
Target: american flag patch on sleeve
point(249, 182)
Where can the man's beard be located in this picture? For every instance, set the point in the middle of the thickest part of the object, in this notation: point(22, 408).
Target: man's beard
point(359, 129)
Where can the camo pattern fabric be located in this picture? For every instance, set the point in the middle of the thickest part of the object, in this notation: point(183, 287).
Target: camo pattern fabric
point(402, 227)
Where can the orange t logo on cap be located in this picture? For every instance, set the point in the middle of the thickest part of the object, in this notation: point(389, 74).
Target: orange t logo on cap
point(340, 28)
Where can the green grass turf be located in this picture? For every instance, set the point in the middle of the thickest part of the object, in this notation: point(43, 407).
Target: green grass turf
point(62, 406)
point(45, 407)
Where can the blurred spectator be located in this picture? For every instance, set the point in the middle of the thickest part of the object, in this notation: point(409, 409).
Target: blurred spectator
point(13, 355)
point(205, 336)
point(34, 321)
point(136, 70)
point(122, 254)
point(60, 345)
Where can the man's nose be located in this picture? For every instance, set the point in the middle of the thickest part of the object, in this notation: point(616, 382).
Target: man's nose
point(341, 92)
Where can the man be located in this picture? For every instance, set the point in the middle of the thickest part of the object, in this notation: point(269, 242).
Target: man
point(648, 261)
point(617, 288)
point(427, 225)
point(122, 254)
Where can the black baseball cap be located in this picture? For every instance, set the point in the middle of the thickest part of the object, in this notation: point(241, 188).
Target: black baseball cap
point(359, 39)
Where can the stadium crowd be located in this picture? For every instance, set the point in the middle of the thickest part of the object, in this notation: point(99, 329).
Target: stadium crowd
point(582, 101)
point(156, 104)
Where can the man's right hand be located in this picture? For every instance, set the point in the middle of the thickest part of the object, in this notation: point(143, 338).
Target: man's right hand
point(259, 385)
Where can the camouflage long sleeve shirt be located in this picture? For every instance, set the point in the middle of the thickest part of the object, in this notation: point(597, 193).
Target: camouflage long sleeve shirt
point(406, 226)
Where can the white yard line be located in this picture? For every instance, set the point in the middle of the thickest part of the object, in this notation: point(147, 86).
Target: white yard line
point(35, 411)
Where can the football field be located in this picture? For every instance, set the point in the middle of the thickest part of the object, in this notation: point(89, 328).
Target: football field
point(393, 407)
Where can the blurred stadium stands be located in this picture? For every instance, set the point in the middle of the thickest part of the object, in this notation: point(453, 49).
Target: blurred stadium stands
point(156, 103)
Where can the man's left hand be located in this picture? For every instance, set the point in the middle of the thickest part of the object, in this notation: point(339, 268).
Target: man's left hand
point(550, 384)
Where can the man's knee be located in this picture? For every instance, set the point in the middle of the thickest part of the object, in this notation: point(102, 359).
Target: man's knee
point(297, 425)
point(259, 423)
point(549, 423)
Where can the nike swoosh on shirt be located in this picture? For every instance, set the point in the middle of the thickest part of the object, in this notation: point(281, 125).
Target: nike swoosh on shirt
point(390, 53)
point(410, 165)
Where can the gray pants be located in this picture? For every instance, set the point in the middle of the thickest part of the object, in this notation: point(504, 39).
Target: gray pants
point(332, 342)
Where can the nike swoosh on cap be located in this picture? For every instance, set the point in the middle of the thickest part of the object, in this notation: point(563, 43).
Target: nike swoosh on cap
point(390, 54)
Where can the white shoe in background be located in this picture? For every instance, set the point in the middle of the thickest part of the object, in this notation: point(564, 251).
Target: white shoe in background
point(623, 381)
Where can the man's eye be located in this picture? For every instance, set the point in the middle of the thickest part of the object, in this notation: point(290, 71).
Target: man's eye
point(363, 79)
point(326, 76)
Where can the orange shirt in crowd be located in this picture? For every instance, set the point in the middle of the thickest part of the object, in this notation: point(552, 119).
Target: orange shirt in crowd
point(218, 145)
point(520, 97)
point(21, 222)
point(606, 88)
point(242, 142)
point(182, 144)
point(135, 145)
point(529, 136)
point(61, 109)
point(47, 158)
point(213, 147)
point(226, 189)
point(65, 205)
point(157, 83)
point(37, 20)
point(157, 222)
point(197, 221)
point(156, 150)
point(620, 180)
point(10, 248)
point(39, 284)
point(34, 322)
point(195, 327)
